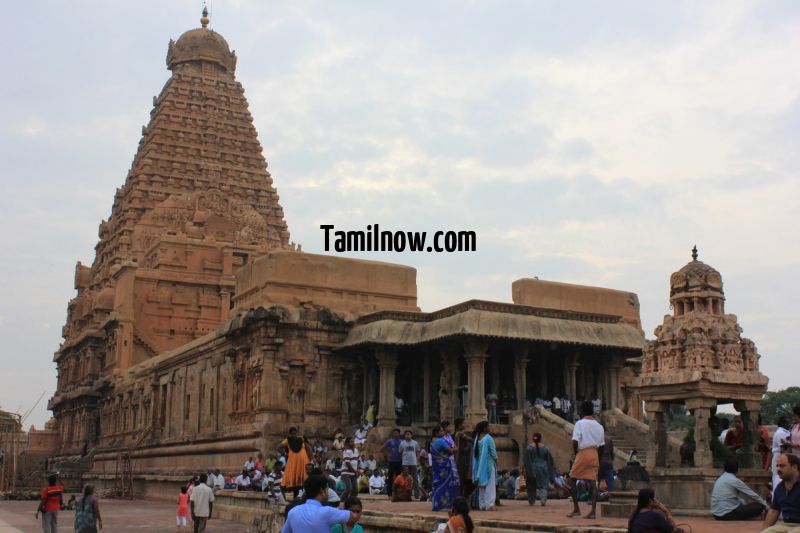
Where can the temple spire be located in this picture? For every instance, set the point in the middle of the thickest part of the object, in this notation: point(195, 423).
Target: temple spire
point(204, 20)
point(694, 253)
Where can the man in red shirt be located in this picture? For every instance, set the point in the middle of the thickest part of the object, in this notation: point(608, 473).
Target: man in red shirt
point(50, 504)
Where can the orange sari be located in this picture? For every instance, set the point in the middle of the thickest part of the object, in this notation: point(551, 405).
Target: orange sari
point(456, 524)
point(294, 475)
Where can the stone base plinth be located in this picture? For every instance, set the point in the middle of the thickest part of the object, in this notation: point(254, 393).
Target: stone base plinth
point(621, 504)
point(689, 489)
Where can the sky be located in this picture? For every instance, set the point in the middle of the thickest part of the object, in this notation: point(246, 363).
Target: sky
point(588, 142)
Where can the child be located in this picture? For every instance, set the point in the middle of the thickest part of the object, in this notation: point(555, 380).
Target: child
point(351, 504)
point(183, 508)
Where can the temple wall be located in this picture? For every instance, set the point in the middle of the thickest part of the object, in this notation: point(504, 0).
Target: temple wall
point(351, 286)
point(580, 298)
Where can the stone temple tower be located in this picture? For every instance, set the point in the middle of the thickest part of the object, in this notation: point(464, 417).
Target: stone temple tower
point(197, 204)
point(699, 358)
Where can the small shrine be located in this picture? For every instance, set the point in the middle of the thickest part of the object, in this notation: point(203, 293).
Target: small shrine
point(700, 359)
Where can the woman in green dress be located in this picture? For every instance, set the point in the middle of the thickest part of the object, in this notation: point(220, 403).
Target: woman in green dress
point(351, 504)
point(539, 468)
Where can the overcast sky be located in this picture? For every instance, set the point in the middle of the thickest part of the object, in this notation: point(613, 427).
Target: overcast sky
point(589, 142)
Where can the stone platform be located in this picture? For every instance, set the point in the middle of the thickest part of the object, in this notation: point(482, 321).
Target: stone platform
point(383, 516)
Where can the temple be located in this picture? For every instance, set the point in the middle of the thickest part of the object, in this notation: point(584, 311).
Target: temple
point(200, 332)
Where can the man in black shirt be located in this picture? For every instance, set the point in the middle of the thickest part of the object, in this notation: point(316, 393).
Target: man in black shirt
point(786, 500)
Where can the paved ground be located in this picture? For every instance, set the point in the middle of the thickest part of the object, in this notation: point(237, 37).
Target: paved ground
point(118, 516)
point(139, 515)
point(555, 513)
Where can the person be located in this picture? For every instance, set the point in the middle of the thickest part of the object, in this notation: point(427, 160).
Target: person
point(249, 464)
point(242, 482)
point(273, 494)
point(451, 443)
point(183, 508)
point(588, 438)
point(792, 442)
point(786, 501)
point(491, 407)
point(732, 499)
point(394, 458)
point(607, 462)
point(651, 515)
point(338, 442)
point(376, 483)
point(372, 464)
point(50, 503)
point(294, 473)
point(256, 479)
point(566, 406)
point(351, 504)
point(597, 405)
point(313, 516)
point(87, 512)
point(399, 405)
point(370, 414)
point(734, 438)
point(201, 504)
point(463, 457)
point(460, 521)
point(219, 481)
point(71, 502)
point(484, 466)
point(557, 405)
point(445, 488)
point(781, 434)
point(349, 468)
point(508, 490)
point(258, 464)
point(539, 468)
point(361, 434)
point(403, 486)
point(409, 451)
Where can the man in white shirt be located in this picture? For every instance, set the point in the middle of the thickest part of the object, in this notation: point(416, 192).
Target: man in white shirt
point(219, 481)
point(201, 502)
point(557, 405)
point(588, 439)
point(243, 481)
point(249, 464)
point(376, 483)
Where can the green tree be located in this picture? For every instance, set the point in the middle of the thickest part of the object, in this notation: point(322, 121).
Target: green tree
point(779, 402)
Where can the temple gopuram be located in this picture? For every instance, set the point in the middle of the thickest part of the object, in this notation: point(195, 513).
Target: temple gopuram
point(200, 332)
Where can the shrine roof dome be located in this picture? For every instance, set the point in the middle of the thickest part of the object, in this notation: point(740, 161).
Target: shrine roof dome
point(201, 44)
point(695, 276)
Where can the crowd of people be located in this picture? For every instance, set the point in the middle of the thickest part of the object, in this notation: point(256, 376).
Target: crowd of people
point(456, 471)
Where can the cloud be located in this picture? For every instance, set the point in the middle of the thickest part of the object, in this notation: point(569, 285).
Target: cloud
point(591, 143)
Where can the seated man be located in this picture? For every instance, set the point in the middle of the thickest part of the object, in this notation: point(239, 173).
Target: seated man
point(243, 481)
point(376, 483)
point(403, 485)
point(731, 499)
point(786, 499)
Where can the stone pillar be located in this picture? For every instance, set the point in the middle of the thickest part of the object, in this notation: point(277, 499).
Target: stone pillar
point(542, 374)
point(701, 410)
point(572, 392)
point(657, 441)
point(520, 374)
point(749, 409)
point(426, 387)
point(616, 397)
point(475, 355)
point(386, 358)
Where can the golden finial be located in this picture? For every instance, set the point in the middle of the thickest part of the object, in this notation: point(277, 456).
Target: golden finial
point(204, 20)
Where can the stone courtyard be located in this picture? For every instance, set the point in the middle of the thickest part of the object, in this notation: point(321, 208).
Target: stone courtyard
point(146, 515)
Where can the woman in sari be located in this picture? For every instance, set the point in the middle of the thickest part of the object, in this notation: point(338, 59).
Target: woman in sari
point(484, 467)
point(87, 512)
point(539, 468)
point(294, 475)
point(445, 489)
point(451, 443)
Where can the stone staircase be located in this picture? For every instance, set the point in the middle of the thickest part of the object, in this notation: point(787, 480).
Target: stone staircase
point(624, 447)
